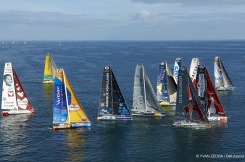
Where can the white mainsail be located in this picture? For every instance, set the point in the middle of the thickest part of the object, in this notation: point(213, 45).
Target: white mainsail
point(171, 87)
point(193, 69)
point(222, 80)
point(8, 91)
point(144, 99)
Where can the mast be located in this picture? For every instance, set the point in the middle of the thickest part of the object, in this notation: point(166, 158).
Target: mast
point(14, 75)
point(111, 88)
point(54, 67)
point(68, 109)
point(143, 70)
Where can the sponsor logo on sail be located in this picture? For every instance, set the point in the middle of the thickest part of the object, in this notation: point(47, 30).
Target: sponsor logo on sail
point(73, 107)
point(107, 90)
point(58, 96)
point(180, 88)
point(176, 71)
point(201, 85)
point(10, 93)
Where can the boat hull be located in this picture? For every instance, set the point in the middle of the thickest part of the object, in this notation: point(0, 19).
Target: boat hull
point(14, 112)
point(113, 117)
point(217, 119)
point(225, 89)
point(146, 114)
point(168, 103)
point(71, 126)
point(48, 82)
point(186, 124)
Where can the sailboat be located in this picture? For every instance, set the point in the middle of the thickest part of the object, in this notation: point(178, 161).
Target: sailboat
point(166, 86)
point(208, 96)
point(67, 110)
point(49, 69)
point(177, 65)
point(190, 112)
point(222, 80)
point(145, 102)
point(14, 98)
point(112, 105)
point(193, 69)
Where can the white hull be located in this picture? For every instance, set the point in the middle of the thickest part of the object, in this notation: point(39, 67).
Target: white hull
point(113, 117)
point(186, 124)
point(146, 114)
point(15, 112)
point(217, 119)
point(225, 89)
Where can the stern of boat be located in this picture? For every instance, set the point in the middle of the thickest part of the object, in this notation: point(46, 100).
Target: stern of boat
point(5, 113)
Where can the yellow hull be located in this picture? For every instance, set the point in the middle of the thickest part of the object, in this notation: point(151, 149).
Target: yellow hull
point(167, 104)
point(62, 126)
point(48, 82)
point(164, 103)
point(158, 114)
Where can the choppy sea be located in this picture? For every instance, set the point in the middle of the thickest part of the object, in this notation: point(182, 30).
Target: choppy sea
point(31, 138)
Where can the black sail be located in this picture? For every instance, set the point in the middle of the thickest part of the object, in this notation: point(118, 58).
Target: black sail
point(182, 94)
point(112, 102)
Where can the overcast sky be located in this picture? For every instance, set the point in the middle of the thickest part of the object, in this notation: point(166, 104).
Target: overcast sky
point(122, 19)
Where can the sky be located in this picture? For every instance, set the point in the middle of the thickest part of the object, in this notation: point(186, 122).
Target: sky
point(122, 19)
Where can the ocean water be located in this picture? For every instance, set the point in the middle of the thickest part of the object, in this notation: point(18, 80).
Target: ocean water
point(31, 138)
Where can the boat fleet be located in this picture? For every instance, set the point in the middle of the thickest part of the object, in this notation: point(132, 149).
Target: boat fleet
point(192, 94)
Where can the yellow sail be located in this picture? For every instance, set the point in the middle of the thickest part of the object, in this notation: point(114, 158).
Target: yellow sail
point(49, 69)
point(76, 111)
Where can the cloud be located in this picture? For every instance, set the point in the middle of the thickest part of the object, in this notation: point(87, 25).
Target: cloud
point(194, 2)
point(144, 16)
point(50, 19)
point(171, 19)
